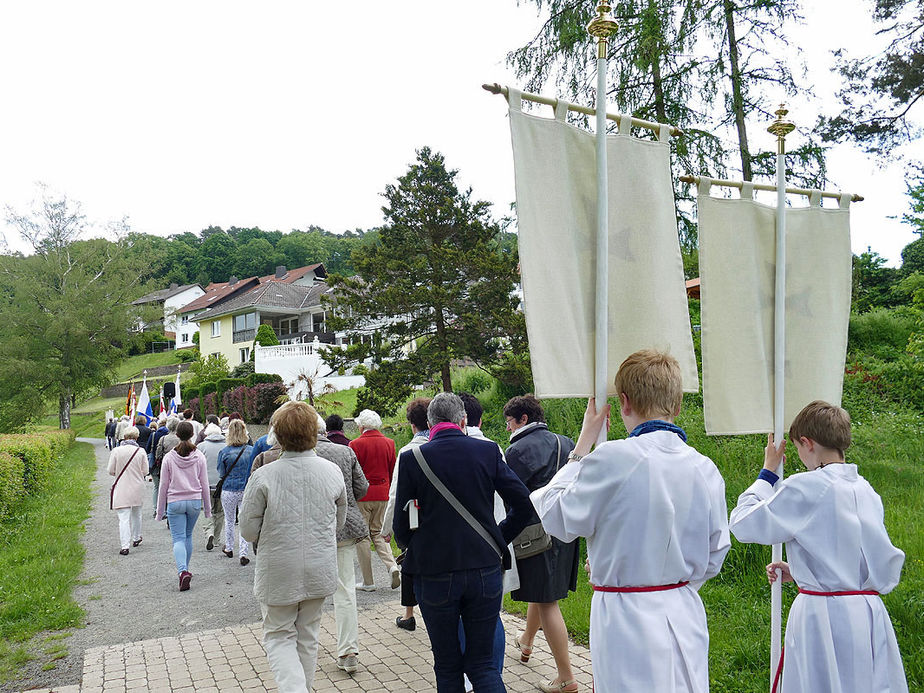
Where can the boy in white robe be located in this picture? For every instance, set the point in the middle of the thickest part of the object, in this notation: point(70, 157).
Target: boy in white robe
point(839, 638)
point(653, 511)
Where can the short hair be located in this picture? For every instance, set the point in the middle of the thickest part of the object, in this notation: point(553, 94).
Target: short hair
point(140, 420)
point(416, 412)
point(445, 407)
point(516, 407)
point(130, 432)
point(473, 409)
point(322, 426)
point(334, 422)
point(368, 419)
point(172, 423)
point(237, 433)
point(223, 415)
point(187, 414)
point(184, 430)
point(235, 415)
point(296, 426)
point(211, 419)
point(826, 424)
point(651, 381)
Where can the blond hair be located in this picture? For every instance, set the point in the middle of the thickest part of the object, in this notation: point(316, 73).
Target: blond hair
point(296, 426)
point(237, 433)
point(826, 424)
point(652, 383)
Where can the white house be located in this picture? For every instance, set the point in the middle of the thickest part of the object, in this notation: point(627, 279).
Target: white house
point(170, 301)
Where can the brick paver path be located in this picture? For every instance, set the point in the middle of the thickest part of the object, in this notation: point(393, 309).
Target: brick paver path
point(232, 660)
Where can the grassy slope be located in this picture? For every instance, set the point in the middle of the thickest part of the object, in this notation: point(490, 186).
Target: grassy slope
point(42, 557)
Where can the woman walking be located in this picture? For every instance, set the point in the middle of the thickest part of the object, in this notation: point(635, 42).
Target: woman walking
point(234, 471)
point(183, 493)
point(129, 465)
point(294, 508)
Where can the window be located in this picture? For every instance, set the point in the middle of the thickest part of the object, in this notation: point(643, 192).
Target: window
point(185, 319)
point(216, 328)
point(288, 326)
point(248, 321)
point(245, 354)
point(184, 338)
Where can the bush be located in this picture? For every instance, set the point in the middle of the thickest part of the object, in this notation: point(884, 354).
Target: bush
point(12, 487)
point(257, 378)
point(186, 355)
point(189, 392)
point(264, 397)
point(241, 400)
point(209, 405)
point(242, 370)
point(226, 385)
point(35, 453)
point(195, 404)
point(265, 336)
point(881, 332)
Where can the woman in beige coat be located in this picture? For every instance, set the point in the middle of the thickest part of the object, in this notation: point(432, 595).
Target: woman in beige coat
point(293, 508)
point(128, 463)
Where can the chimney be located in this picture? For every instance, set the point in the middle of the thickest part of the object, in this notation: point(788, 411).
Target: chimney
point(281, 271)
point(232, 281)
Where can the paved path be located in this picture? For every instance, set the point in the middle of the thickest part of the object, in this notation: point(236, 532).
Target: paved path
point(142, 634)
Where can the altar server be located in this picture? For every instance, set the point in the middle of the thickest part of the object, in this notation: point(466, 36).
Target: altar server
point(839, 638)
point(653, 511)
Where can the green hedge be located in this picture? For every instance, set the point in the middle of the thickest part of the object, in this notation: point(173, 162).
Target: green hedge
point(257, 378)
point(26, 462)
point(11, 483)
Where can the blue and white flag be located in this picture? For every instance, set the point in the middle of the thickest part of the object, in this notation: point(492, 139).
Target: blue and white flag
point(144, 403)
point(177, 399)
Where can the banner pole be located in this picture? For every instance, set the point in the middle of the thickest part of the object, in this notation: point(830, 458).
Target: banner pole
point(601, 28)
point(780, 128)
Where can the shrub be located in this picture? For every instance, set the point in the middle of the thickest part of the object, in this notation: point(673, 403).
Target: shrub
point(240, 399)
point(265, 336)
point(881, 332)
point(226, 385)
point(12, 487)
point(190, 392)
point(242, 370)
point(195, 403)
point(257, 378)
point(264, 398)
point(186, 355)
point(35, 453)
point(209, 404)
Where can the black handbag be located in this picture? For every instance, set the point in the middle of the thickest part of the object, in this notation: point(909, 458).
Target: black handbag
point(216, 494)
point(534, 540)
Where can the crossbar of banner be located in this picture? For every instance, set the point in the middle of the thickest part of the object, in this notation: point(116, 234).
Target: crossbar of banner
point(616, 117)
point(772, 188)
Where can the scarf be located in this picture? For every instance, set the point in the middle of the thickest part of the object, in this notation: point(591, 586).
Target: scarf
point(658, 425)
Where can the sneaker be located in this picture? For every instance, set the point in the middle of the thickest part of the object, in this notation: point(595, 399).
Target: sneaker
point(185, 578)
point(229, 554)
point(210, 544)
point(395, 578)
point(244, 560)
point(365, 588)
point(136, 543)
point(347, 663)
point(123, 552)
point(406, 623)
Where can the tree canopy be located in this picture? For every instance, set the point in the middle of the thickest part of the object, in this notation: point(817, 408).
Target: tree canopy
point(437, 286)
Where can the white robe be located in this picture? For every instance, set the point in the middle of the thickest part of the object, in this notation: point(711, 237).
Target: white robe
point(653, 511)
point(831, 520)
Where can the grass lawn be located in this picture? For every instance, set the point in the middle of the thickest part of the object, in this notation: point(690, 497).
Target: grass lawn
point(133, 366)
point(42, 557)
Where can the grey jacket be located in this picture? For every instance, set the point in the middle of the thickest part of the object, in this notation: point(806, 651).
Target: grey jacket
point(294, 508)
point(165, 445)
point(210, 447)
point(356, 486)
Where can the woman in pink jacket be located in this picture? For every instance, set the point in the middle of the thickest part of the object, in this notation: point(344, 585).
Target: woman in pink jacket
point(184, 492)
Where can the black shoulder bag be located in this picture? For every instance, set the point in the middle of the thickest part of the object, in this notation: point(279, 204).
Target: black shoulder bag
point(534, 540)
point(216, 494)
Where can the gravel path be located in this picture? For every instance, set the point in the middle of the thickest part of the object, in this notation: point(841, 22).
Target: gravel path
point(136, 597)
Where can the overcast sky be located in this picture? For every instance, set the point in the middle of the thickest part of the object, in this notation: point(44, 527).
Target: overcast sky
point(181, 115)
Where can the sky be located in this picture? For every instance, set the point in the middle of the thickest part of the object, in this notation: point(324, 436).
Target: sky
point(285, 114)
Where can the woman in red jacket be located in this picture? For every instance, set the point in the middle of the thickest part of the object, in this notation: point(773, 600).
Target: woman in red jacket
point(376, 455)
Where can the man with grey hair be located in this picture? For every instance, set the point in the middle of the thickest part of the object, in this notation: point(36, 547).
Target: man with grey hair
point(458, 551)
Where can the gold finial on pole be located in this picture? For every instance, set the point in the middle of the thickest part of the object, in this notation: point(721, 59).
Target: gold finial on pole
point(602, 26)
point(781, 128)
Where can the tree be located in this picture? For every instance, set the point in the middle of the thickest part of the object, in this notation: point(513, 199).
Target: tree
point(265, 336)
point(435, 287)
point(66, 310)
point(872, 282)
point(210, 369)
point(915, 218)
point(882, 89)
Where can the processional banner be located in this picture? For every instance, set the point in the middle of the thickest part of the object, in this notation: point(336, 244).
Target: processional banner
point(737, 261)
point(556, 189)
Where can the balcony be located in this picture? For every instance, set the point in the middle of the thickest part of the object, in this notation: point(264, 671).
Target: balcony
point(243, 335)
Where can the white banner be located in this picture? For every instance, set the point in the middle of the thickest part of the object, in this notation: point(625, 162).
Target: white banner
point(556, 210)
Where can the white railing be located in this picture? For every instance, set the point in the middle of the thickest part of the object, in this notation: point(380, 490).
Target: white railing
point(287, 351)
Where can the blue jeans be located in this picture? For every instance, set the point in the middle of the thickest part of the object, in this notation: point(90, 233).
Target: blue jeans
point(500, 641)
point(182, 516)
point(475, 597)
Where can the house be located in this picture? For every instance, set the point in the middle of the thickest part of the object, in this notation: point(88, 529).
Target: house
point(289, 301)
point(168, 302)
point(215, 295)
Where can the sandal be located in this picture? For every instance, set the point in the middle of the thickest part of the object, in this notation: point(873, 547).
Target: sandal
point(550, 687)
point(525, 651)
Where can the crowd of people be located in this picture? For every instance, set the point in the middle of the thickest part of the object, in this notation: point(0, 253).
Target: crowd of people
point(473, 522)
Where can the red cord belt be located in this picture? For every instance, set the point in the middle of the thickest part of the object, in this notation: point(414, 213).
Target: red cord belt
point(845, 593)
point(646, 588)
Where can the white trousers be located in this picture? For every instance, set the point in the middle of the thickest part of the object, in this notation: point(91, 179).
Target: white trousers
point(129, 525)
point(345, 603)
point(290, 638)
